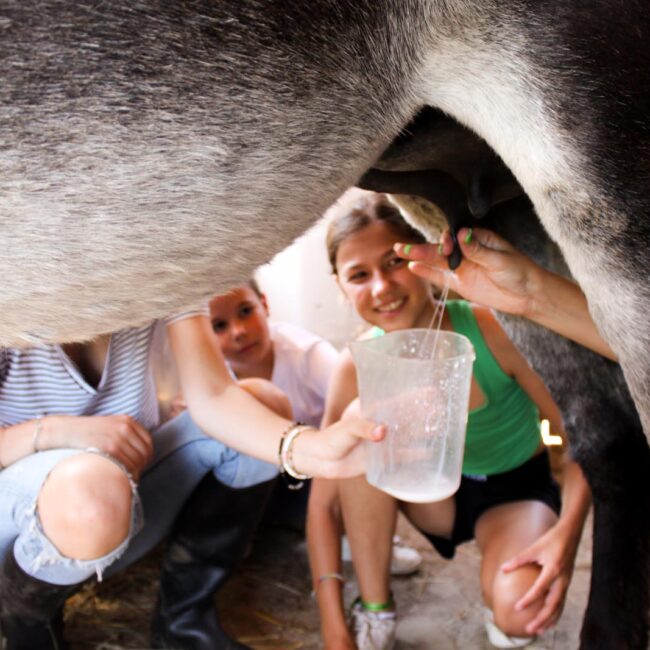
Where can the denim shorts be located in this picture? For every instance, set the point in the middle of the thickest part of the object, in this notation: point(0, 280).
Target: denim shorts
point(183, 455)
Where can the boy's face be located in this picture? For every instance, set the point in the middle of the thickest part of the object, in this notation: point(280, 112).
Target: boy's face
point(239, 319)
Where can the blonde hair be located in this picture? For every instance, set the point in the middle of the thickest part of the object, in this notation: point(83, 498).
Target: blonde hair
point(369, 209)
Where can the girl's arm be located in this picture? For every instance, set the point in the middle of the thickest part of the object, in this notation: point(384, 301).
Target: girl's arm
point(555, 551)
point(225, 411)
point(20, 440)
point(342, 389)
point(324, 522)
point(118, 435)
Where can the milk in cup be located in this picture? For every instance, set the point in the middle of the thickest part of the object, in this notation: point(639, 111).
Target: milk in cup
point(417, 383)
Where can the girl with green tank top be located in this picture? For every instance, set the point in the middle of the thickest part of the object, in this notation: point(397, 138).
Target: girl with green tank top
point(507, 500)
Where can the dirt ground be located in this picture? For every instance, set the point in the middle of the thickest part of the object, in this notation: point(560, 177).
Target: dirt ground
point(268, 605)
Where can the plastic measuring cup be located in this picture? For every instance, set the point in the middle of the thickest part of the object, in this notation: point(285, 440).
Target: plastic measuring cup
point(417, 382)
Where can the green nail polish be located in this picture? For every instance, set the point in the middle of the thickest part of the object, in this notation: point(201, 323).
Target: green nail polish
point(440, 248)
point(407, 249)
point(468, 236)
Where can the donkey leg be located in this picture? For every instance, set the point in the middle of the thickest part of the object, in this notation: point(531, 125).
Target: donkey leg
point(617, 612)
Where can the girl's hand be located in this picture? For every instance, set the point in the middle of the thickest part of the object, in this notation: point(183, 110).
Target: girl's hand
point(492, 272)
point(119, 436)
point(335, 452)
point(555, 554)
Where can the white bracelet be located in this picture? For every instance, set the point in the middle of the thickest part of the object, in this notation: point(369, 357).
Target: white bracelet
point(287, 452)
point(294, 478)
point(37, 433)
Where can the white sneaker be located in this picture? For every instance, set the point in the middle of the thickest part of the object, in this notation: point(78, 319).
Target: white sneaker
point(500, 639)
point(372, 630)
point(403, 562)
point(405, 559)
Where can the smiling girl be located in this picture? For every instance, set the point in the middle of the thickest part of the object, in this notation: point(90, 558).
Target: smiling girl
point(507, 500)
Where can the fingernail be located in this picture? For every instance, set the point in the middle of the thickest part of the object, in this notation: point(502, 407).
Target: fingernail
point(468, 236)
point(440, 248)
point(407, 249)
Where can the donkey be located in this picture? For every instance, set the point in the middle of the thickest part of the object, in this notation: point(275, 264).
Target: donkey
point(438, 160)
point(154, 153)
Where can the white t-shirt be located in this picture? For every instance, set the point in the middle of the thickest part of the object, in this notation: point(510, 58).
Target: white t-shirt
point(302, 367)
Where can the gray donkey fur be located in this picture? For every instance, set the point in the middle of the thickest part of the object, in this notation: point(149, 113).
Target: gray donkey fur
point(156, 152)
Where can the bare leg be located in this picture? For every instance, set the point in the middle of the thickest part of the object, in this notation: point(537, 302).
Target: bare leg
point(369, 516)
point(324, 527)
point(501, 533)
point(85, 506)
point(434, 518)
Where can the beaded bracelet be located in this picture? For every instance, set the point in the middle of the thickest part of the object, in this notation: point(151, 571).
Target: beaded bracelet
point(330, 576)
point(2, 440)
point(37, 433)
point(323, 578)
point(293, 478)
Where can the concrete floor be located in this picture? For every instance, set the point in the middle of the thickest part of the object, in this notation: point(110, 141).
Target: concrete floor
point(439, 607)
point(268, 606)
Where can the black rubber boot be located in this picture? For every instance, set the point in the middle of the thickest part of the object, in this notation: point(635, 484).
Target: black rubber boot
point(208, 539)
point(31, 611)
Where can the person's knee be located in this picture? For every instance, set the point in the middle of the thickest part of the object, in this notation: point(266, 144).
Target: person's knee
point(85, 506)
point(507, 590)
point(269, 394)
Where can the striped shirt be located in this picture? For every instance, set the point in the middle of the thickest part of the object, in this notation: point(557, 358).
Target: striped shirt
point(40, 381)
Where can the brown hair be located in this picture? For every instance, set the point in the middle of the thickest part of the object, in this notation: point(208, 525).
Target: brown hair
point(252, 284)
point(368, 210)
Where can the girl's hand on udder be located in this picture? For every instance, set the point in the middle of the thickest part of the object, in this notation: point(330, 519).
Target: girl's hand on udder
point(491, 271)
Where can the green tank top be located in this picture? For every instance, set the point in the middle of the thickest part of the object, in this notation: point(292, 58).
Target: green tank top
point(504, 432)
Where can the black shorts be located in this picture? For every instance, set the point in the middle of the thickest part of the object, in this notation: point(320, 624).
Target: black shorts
point(531, 481)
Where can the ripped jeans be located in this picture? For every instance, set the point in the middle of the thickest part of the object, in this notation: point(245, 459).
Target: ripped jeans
point(183, 455)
